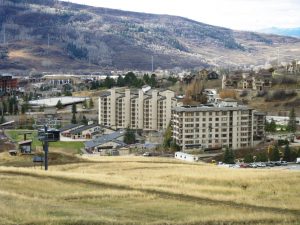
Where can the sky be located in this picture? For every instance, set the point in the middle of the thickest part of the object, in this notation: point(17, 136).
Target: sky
point(235, 14)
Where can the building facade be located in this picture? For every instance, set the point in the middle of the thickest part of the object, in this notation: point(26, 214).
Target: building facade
point(8, 85)
point(145, 109)
point(213, 127)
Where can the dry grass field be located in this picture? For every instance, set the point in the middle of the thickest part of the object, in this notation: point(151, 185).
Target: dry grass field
point(137, 190)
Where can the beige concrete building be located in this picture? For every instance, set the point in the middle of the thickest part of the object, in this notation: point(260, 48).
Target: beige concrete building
point(213, 127)
point(145, 109)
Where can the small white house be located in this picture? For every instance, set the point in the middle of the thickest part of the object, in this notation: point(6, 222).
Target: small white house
point(186, 157)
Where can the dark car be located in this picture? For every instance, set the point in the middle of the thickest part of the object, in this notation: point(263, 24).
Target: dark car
point(284, 163)
point(270, 164)
point(278, 163)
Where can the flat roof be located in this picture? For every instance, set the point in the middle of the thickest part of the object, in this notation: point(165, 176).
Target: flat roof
point(208, 108)
point(51, 102)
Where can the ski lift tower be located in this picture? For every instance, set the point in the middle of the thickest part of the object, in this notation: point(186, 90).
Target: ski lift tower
point(46, 136)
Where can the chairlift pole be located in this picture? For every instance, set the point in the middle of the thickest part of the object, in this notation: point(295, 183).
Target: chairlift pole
point(46, 147)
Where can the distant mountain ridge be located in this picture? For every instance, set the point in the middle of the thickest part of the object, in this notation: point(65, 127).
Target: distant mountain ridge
point(293, 32)
point(50, 35)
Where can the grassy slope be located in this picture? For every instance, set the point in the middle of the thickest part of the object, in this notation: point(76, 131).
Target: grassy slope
point(137, 190)
point(69, 147)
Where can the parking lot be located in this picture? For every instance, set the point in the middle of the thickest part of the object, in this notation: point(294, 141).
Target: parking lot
point(289, 166)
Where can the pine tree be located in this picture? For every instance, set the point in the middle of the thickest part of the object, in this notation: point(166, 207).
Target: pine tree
point(274, 153)
point(73, 120)
point(74, 108)
point(59, 105)
point(84, 120)
point(91, 103)
point(287, 153)
point(271, 127)
point(292, 125)
point(168, 137)
point(129, 136)
point(2, 119)
point(228, 156)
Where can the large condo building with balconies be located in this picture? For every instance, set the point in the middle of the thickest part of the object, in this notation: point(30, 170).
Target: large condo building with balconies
point(213, 127)
point(146, 109)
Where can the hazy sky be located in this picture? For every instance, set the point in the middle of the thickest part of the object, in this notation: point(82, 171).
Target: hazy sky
point(236, 14)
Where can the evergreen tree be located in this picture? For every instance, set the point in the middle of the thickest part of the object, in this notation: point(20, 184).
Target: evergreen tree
point(74, 108)
point(91, 103)
point(274, 154)
point(59, 105)
point(271, 127)
point(146, 78)
point(287, 153)
point(129, 136)
point(2, 119)
point(84, 104)
point(228, 156)
point(262, 157)
point(120, 81)
point(248, 158)
point(168, 137)
point(292, 125)
point(84, 120)
point(153, 81)
point(73, 120)
point(109, 82)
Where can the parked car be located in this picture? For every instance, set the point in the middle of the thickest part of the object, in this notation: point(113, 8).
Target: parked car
point(147, 154)
point(298, 160)
point(253, 165)
point(284, 163)
point(261, 164)
point(244, 165)
point(270, 164)
point(278, 163)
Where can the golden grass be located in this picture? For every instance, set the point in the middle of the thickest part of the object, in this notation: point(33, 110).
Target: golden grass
point(136, 190)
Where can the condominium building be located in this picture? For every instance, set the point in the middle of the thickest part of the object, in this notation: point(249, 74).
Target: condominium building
point(146, 109)
point(213, 127)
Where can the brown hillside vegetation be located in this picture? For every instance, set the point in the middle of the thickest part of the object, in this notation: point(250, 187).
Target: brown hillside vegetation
point(85, 37)
point(135, 190)
point(228, 94)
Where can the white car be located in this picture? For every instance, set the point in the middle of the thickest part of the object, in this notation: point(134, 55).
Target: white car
point(298, 160)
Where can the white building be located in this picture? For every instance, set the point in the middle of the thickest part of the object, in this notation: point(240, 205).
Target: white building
point(146, 109)
point(186, 157)
point(281, 120)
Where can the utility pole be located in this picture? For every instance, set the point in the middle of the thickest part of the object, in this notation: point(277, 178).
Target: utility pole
point(45, 145)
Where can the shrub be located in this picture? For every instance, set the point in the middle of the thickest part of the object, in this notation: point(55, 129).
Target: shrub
point(227, 94)
point(261, 93)
point(244, 93)
point(281, 95)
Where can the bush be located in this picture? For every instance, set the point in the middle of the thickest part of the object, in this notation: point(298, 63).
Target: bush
point(244, 93)
point(285, 80)
point(262, 93)
point(281, 95)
